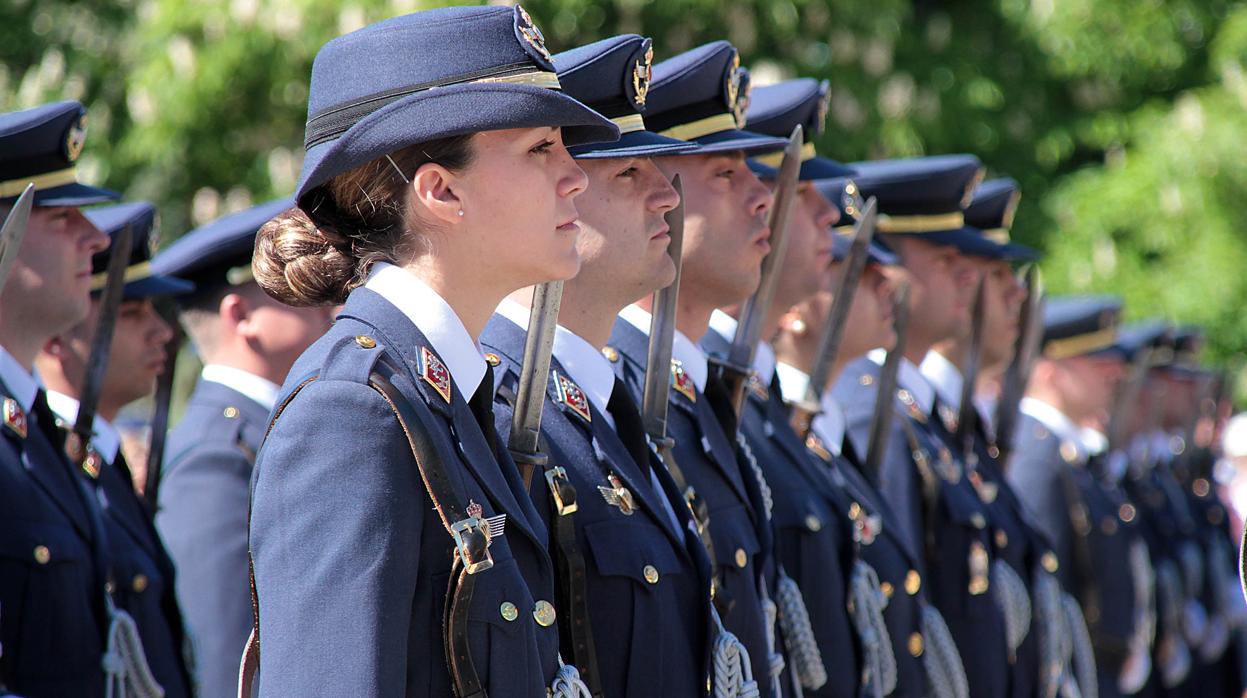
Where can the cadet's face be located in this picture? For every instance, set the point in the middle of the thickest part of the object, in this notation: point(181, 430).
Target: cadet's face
point(51, 280)
point(809, 246)
point(135, 357)
point(623, 249)
point(941, 287)
point(1089, 383)
point(281, 332)
point(1002, 295)
point(518, 193)
point(725, 225)
point(870, 316)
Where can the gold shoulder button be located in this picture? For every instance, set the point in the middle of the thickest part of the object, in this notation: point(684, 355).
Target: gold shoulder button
point(611, 353)
point(492, 359)
point(231, 412)
point(366, 342)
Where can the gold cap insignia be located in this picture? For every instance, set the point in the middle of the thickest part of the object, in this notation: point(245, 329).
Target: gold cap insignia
point(824, 108)
point(435, 373)
point(740, 107)
point(15, 417)
point(571, 395)
point(733, 80)
point(642, 73)
point(76, 138)
point(682, 382)
point(530, 33)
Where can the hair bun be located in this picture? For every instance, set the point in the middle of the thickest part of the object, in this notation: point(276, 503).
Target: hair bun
point(302, 264)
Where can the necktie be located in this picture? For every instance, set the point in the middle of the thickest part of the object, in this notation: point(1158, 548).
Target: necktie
point(46, 421)
point(628, 426)
point(482, 406)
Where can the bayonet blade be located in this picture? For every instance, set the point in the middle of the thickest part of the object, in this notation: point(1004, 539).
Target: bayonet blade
point(881, 420)
point(662, 331)
point(530, 394)
point(967, 414)
point(160, 416)
point(101, 344)
point(837, 316)
point(736, 367)
point(14, 231)
point(1030, 333)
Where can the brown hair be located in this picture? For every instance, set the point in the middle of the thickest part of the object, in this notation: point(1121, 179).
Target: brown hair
point(318, 253)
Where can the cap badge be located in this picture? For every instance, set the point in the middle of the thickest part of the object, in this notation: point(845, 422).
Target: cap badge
point(617, 495)
point(733, 80)
point(824, 107)
point(740, 107)
point(15, 417)
point(76, 138)
point(642, 73)
point(435, 373)
point(682, 382)
point(530, 33)
point(571, 395)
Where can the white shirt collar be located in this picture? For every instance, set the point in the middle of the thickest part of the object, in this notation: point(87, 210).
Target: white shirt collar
point(684, 350)
point(944, 377)
point(1056, 422)
point(18, 380)
point(986, 405)
point(792, 382)
point(830, 424)
point(104, 436)
point(259, 390)
point(763, 358)
point(910, 378)
point(584, 364)
point(1094, 440)
point(430, 313)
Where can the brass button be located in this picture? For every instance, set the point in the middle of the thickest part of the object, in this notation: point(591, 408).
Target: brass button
point(867, 380)
point(139, 583)
point(978, 520)
point(742, 558)
point(1069, 451)
point(366, 342)
point(231, 412)
point(915, 645)
point(492, 359)
point(544, 613)
point(1126, 512)
point(812, 523)
point(1002, 538)
point(651, 574)
point(993, 451)
point(611, 353)
point(1050, 562)
point(509, 611)
point(1201, 487)
point(913, 582)
point(886, 588)
point(42, 554)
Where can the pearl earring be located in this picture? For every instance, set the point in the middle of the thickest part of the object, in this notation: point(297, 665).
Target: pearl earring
point(798, 327)
point(461, 213)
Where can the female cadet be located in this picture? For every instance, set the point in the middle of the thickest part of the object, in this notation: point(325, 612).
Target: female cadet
point(634, 581)
point(395, 550)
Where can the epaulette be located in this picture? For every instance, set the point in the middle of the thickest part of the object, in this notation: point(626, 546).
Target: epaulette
point(352, 359)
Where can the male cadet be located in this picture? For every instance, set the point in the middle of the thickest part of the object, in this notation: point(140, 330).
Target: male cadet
point(633, 603)
point(807, 511)
point(53, 557)
point(142, 572)
point(921, 219)
point(247, 342)
point(1094, 529)
point(696, 96)
point(912, 664)
point(1020, 551)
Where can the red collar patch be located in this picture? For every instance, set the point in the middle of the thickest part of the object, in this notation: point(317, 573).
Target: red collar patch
point(682, 382)
point(15, 417)
point(571, 395)
point(435, 373)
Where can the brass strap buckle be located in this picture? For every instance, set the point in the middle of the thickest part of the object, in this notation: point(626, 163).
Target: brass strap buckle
point(472, 544)
point(562, 491)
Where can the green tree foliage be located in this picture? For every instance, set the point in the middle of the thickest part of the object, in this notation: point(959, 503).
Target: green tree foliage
point(1121, 118)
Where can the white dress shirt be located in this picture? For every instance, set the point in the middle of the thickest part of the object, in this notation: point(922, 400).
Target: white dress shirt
point(763, 356)
point(261, 391)
point(944, 377)
point(104, 436)
point(1056, 422)
point(910, 378)
point(21, 384)
point(434, 317)
point(692, 359)
point(829, 424)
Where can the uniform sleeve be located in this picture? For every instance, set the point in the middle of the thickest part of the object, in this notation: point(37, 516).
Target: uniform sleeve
point(203, 520)
point(1038, 485)
point(335, 531)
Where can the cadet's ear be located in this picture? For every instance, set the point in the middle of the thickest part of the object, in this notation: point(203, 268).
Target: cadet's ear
point(431, 189)
point(234, 310)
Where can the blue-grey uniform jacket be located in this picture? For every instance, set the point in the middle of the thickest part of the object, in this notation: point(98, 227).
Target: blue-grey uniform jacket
point(708, 460)
point(143, 578)
point(812, 534)
point(647, 576)
point(1091, 528)
point(53, 566)
point(203, 519)
point(926, 485)
point(352, 561)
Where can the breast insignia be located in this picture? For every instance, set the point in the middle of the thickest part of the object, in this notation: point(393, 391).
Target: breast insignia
point(682, 382)
point(618, 496)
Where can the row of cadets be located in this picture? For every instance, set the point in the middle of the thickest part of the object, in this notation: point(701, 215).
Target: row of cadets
point(941, 516)
point(633, 594)
point(1036, 614)
point(813, 544)
point(142, 574)
point(395, 548)
point(698, 96)
point(247, 343)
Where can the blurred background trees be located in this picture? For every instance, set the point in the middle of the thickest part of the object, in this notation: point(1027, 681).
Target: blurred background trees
point(1124, 120)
